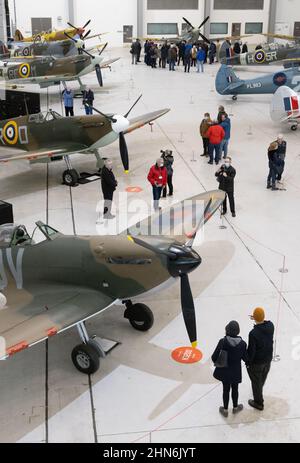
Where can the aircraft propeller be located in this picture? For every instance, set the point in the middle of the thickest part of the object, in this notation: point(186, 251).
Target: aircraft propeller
point(197, 30)
point(80, 30)
point(181, 260)
point(119, 124)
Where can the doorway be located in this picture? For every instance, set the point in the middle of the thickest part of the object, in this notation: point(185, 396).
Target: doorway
point(127, 34)
point(236, 29)
point(297, 29)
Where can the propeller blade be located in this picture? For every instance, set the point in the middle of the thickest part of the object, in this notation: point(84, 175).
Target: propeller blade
point(86, 25)
point(204, 38)
point(204, 22)
point(188, 309)
point(148, 246)
point(70, 38)
point(110, 118)
point(103, 49)
point(188, 22)
point(99, 74)
point(86, 35)
point(87, 53)
point(71, 25)
point(124, 152)
point(126, 115)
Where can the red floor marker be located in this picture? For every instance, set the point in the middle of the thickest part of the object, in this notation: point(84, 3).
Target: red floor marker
point(187, 355)
point(134, 189)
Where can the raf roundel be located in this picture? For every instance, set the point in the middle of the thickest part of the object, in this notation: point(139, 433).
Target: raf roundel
point(24, 70)
point(260, 56)
point(10, 133)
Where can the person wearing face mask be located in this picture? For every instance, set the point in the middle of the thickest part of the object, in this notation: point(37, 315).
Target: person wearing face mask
point(225, 176)
point(109, 185)
point(158, 177)
point(205, 124)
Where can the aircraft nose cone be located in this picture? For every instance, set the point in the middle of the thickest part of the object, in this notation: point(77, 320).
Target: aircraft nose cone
point(80, 43)
point(120, 125)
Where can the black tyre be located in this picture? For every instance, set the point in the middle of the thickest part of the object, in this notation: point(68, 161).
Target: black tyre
point(86, 359)
point(141, 317)
point(70, 177)
point(234, 97)
point(294, 127)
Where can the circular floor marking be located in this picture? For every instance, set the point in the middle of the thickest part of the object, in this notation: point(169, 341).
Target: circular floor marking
point(134, 189)
point(187, 355)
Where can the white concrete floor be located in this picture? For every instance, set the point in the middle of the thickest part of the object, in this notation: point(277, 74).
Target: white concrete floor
point(140, 394)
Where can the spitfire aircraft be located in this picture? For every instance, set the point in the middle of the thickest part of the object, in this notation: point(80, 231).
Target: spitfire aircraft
point(267, 55)
point(228, 83)
point(285, 107)
point(51, 137)
point(52, 36)
point(59, 282)
point(47, 71)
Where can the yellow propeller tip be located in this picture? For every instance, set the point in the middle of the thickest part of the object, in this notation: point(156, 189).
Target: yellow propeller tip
point(194, 344)
point(130, 239)
point(126, 171)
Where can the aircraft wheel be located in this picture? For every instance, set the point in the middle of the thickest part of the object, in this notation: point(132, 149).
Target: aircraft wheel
point(234, 97)
point(86, 359)
point(294, 127)
point(140, 317)
point(70, 177)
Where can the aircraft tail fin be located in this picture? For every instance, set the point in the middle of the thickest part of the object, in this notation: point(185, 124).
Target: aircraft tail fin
point(227, 80)
point(285, 105)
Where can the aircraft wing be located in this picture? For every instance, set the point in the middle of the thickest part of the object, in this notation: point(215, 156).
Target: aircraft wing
point(48, 311)
point(140, 121)
point(55, 151)
point(106, 64)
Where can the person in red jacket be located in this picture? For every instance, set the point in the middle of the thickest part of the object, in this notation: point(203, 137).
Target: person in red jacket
point(158, 177)
point(216, 134)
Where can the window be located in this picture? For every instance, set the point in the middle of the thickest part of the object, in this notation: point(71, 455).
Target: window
point(39, 25)
point(219, 28)
point(162, 29)
point(239, 4)
point(173, 4)
point(253, 28)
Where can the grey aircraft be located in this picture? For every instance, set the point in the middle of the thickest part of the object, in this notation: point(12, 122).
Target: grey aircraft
point(228, 83)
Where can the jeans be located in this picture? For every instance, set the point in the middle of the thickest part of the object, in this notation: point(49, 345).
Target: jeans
point(234, 394)
point(272, 176)
point(187, 64)
point(69, 111)
point(157, 190)
point(216, 149)
point(205, 145)
point(172, 65)
point(258, 375)
point(134, 59)
point(200, 65)
point(230, 196)
point(224, 147)
point(88, 111)
point(108, 199)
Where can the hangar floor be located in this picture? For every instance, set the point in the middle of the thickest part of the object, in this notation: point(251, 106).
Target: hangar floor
point(139, 394)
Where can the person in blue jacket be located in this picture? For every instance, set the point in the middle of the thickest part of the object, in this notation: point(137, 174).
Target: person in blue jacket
point(200, 59)
point(68, 97)
point(226, 124)
point(231, 375)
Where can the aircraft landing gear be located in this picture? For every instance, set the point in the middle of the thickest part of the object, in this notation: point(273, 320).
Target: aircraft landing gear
point(139, 315)
point(86, 356)
point(294, 127)
point(70, 176)
point(234, 97)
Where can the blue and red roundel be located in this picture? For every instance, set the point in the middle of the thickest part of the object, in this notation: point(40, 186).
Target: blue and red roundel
point(279, 79)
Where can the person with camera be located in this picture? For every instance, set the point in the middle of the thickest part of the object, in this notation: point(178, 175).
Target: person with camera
point(225, 176)
point(168, 158)
point(227, 359)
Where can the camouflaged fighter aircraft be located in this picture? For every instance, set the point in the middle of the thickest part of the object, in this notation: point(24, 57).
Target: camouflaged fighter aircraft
point(52, 36)
point(62, 281)
point(269, 54)
point(228, 83)
point(47, 71)
point(51, 137)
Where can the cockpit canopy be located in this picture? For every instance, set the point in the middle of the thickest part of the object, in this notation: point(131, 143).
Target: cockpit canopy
point(40, 118)
point(12, 235)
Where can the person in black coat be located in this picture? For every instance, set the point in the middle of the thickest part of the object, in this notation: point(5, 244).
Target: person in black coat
point(260, 356)
point(164, 54)
point(168, 158)
point(225, 176)
point(245, 48)
point(273, 166)
point(237, 48)
point(109, 185)
point(231, 376)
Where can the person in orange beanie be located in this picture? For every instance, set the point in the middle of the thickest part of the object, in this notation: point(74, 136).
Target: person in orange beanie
point(260, 355)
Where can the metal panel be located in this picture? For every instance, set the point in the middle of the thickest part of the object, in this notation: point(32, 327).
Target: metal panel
point(172, 4)
point(238, 4)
